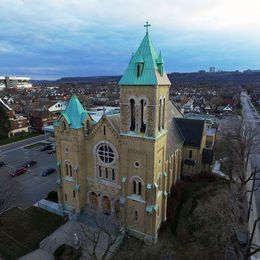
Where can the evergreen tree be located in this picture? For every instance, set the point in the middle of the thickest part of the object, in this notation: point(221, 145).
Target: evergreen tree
point(4, 124)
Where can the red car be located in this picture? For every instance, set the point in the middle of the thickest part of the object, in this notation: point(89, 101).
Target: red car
point(18, 171)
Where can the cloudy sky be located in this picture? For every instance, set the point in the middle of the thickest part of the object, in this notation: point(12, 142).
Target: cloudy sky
point(49, 39)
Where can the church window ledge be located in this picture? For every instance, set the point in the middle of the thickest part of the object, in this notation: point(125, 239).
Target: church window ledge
point(104, 182)
point(136, 198)
point(69, 179)
point(159, 194)
point(151, 208)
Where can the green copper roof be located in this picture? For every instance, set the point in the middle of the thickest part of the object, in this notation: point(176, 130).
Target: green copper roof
point(74, 113)
point(151, 66)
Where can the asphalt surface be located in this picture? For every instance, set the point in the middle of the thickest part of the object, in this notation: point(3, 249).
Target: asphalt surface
point(29, 187)
point(251, 116)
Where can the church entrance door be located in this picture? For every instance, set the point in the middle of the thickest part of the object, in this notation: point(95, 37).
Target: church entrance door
point(106, 205)
point(93, 200)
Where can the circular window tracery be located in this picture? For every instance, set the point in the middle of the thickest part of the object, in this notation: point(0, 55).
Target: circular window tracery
point(105, 153)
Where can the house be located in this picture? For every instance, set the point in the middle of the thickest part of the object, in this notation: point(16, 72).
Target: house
point(18, 123)
point(45, 113)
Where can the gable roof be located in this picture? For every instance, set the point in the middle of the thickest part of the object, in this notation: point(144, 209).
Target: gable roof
point(152, 66)
point(115, 121)
point(4, 105)
point(74, 113)
point(174, 137)
point(191, 130)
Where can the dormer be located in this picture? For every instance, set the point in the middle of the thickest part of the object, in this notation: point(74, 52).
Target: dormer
point(160, 63)
point(139, 61)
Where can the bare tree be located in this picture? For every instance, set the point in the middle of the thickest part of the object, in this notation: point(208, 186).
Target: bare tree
point(100, 234)
point(252, 248)
point(239, 143)
point(211, 229)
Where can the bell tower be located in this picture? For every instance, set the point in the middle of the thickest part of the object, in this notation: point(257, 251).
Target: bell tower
point(144, 92)
point(144, 96)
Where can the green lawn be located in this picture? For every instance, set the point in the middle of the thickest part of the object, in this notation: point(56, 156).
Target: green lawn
point(18, 137)
point(22, 230)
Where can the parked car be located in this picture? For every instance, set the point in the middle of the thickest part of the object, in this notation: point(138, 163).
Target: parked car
point(48, 172)
point(29, 164)
point(47, 147)
point(53, 150)
point(18, 171)
point(2, 164)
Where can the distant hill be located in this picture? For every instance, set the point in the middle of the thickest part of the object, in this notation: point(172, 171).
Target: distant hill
point(194, 78)
point(98, 79)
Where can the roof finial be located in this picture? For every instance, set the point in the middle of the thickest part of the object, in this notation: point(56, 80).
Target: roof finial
point(147, 25)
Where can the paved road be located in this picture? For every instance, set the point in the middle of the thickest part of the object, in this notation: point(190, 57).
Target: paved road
point(251, 116)
point(30, 187)
point(17, 145)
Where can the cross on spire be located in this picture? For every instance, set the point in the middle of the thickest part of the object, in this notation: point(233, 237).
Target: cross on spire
point(147, 25)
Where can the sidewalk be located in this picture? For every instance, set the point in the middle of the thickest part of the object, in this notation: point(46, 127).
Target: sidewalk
point(253, 217)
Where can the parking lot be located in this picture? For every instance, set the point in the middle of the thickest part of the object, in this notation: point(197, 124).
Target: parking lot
point(29, 187)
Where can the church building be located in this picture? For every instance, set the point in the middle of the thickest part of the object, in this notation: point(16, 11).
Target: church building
point(126, 163)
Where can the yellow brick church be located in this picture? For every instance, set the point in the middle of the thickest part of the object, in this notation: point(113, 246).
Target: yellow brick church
point(126, 163)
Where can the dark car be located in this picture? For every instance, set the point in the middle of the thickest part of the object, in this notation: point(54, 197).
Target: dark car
point(29, 164)
point(2, 164)
point(48, 172)
point(18, 171)
point(46, 147)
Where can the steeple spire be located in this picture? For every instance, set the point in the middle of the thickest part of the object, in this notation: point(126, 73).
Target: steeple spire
point(145, 66)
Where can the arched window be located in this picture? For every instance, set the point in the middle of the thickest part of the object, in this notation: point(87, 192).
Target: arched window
point(87, 127)
point(113, 174)
point(137, 186)
point(68, 169)
point(136, 215)
point(132, 115)
point(160, 115)
point(105, 161)
point(104, 130)
point(143, 108)
point(190, 155)
point(64, 127)
point(134, 187)
point(163, 114)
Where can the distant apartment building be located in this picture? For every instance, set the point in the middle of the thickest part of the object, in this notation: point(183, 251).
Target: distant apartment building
point(18, 123)
point(212, 69)
point(15, 82)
